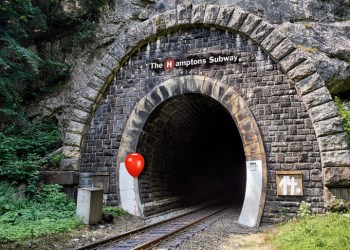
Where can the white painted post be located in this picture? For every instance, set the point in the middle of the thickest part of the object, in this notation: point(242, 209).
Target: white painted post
point(89, 205)
point(128, 190)
point(250, 209)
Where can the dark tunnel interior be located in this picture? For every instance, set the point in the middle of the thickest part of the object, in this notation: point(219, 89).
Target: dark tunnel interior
point(193, 153)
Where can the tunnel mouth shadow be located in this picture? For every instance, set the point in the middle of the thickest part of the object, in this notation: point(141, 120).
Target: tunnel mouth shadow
point(193, 153)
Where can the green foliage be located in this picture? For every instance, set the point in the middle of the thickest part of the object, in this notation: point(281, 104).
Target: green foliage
point(115, 211)
point(304, 210)
point(24, 74)
point(344, 114)
point(338, 205)
point(47, 212)
point(21, 147)
point(329, 231)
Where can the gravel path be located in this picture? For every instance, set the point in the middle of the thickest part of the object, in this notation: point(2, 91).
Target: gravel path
point(226, 234)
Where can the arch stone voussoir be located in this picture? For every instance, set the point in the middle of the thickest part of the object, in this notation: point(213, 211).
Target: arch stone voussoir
point(193, 85)
point(292, 60)
point(339, 158)
point(102, 72)
point(229, 96)
point(309, 84)
point(333, 142)
point(283, 49)
point(158, 23)
point(218, 90)
point(324, 111)
point(75, 127)
point(317, 97)
point(302, 71)
point(272, 40)
point(224, 16)
point(184, 13)
point(198, 13)
point(211, 14)
point(84, 104)
point(328, 127)
point(261, 31)
point(237, 19)
point(249, 24)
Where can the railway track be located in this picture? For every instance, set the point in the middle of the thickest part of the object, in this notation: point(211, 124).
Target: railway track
point(162, 234)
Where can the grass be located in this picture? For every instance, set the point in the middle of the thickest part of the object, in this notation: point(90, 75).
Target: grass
point(330, 231)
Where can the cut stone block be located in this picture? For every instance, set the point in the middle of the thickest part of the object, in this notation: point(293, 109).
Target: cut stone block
point(89, 205)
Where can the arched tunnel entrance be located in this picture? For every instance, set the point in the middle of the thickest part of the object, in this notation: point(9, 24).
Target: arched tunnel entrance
point(193, 153)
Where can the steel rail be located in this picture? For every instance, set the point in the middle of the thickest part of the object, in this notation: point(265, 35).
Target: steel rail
point(163, 238)
point(108, 241)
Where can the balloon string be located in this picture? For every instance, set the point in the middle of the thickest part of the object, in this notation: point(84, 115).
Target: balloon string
point(134, 198)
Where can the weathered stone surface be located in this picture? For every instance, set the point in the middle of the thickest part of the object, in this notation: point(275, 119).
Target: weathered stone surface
point(333, 142)
point(102, 72)
point(184, 12)
point(84, 104)
point(218, 90)
point(249, 24)
point(272, 40)
point(301, 71)
point(237, 19)
point(242, 115)
point(71, 152)
point(339, 158)
point(252, 149)
point(69, 164)
point(96, 83)
point(336, 176)
point(329, 49)
point(90, 94)
point(292, 60)
point(193, 85)
point(317, 97)
point(75, 127)
point(65, 178)
point(158, 23)
point(309, 84)
point(72, 139)
point(262, 31)
point(79, 115)
point(146, 27)
point(237, 105)
point(211, 14)
point(328, 127)
point(207, 87)
point(224, 15)
point(198, 12)
point(229, 96)
point(117, 52)
point(282, 49)
point(109, 62)
point(323, 111)
point(171, 19)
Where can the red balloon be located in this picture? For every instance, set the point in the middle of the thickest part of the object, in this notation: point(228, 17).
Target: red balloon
point(134, 163)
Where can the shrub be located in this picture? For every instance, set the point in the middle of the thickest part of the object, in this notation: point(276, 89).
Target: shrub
point(47, 212)
point(344, 114)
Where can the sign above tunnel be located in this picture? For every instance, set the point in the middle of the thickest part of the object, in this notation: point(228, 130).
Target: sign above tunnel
point(170, 63)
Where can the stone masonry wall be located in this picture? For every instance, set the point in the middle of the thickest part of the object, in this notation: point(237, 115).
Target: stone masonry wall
point(286, 129)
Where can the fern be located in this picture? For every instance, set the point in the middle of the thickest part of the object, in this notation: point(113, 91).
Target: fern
point(344, 114)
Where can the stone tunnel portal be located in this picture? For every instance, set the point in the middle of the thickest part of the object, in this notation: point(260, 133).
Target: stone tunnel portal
point(193, 153)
